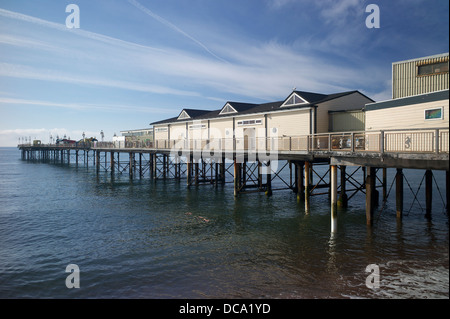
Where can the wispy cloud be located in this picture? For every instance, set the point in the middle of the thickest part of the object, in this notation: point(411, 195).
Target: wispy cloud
point(264, 70)
point(173, 27)
point(78, 32)
point(338, 12)
point(27, 72)
point(85, 106)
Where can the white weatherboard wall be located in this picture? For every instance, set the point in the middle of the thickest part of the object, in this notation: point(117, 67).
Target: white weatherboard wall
point(406, 117)
point(291, 123)
point(178, 131)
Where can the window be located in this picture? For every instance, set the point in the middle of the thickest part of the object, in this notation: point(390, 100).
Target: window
point(432, 68)
point(295, 100)
point(228, 109)
point(249, 122)
point(433, 114)
point(183, 116)
point(197, 126)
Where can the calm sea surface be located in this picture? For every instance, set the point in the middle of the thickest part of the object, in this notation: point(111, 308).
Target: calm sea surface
point(159, 239)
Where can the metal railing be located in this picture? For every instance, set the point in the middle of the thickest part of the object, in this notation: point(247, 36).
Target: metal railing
point(389, 141)
point(392, 141)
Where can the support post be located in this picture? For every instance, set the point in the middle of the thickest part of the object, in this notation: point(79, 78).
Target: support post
point(399, 192)
point(447, 189)
point(384, 184)
point(196, 171)
point(140, 165)
point(343, 198)
point(307, 186)
point(131, 166)
point(188, 169)
point(370, 195)
point(236, 177)
point(97, 160)
point(269, 179)
point(152, 166)
point(428, 192)
point(112, 163)
point(333, 188)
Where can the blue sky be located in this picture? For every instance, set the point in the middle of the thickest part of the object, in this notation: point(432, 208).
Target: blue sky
point(133, 62)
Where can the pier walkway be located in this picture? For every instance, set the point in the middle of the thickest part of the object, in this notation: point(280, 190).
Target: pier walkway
point(249, 160)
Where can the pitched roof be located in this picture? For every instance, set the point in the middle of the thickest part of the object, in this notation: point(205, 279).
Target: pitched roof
point(409, 100)
point(195, 112)
point(252, 108)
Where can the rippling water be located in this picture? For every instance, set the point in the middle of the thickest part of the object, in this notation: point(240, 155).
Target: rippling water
point(147, 239)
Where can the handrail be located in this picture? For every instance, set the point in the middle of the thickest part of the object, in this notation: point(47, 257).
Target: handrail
point(427, 140)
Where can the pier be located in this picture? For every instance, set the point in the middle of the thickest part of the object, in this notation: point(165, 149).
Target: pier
point(249, 164)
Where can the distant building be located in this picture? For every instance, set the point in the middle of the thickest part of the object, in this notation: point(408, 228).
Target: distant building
point(420, 96)
point(135, 138)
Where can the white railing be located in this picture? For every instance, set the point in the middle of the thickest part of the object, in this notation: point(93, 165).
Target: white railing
point(392, 141)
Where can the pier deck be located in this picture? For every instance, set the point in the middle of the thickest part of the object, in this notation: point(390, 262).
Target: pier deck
point(249, 162)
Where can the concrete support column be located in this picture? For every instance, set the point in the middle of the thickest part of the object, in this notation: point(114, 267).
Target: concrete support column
point(334, 196)
point(333, 187)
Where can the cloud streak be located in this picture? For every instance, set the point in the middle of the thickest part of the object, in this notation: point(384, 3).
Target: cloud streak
point(262, 70)
point(27, 72)
point(173, 27)
point(85, 106)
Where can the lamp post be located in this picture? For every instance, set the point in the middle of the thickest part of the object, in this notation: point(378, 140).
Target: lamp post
point(102, 135)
